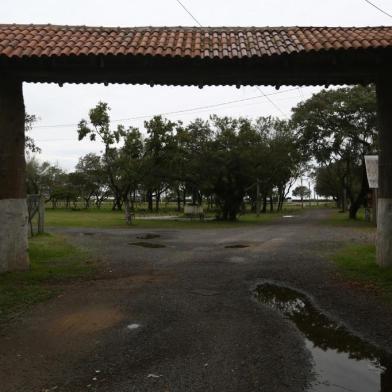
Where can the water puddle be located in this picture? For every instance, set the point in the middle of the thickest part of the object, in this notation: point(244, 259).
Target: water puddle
point(236, 246)
point(288, 216)
point(87, 233)
point(205, 292)
point(132, 327)
point(147, 244)
point(342, 361)
point(147, 236)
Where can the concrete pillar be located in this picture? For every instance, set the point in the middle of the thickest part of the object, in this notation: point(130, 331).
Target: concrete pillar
point(13, 206)
point(384, 216)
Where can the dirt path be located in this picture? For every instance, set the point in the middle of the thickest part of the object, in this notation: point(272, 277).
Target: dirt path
point(181, 317)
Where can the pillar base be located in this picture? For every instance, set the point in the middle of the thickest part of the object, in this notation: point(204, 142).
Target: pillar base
point(13, 235)
point(384, 232)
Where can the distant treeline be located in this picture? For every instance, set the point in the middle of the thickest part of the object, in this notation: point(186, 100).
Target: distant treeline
point(222, 162)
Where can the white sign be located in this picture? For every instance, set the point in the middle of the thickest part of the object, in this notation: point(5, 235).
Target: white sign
point(371, 162)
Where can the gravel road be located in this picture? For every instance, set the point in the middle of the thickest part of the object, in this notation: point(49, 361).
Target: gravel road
point(181, 317)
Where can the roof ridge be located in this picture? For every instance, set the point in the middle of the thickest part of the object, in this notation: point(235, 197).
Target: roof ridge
point(46, 40)
point(60, 26)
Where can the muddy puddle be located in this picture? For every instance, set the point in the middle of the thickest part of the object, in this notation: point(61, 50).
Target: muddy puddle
point(147, 236)
point(147, 244)
point(342, 361)
point(236, 246)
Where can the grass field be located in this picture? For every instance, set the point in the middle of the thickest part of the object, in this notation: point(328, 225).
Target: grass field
point(105, 218)
point(357, 264)
point(53, 261)
point(343, 220)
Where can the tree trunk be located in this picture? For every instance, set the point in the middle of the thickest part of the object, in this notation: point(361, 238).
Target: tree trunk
point(344, 199)
point(271, 204)
point(281, 199)
point(264, 210)
point(133, 200)
point(157, 200)
point(149, 200)
point(178, 200)
point(128, 211)
point(355, 204)
point(117, 203)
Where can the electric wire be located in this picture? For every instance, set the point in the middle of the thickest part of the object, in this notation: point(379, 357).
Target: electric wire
point(378, 8)
point(189, 13)
point(262, 92)
point(272, 102)
point(197, 108)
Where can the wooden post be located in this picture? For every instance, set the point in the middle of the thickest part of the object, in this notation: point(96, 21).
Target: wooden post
point(13, 206)
point(384, 216)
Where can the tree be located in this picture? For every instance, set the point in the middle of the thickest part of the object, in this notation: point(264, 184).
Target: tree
point(30, 146)
point(48, 180)
point(330, 182)
point(115, 160)
point(302, 192)
point(128, 167)
point(191, 172)
point(90, 177)
point(159, 152)
point(230, 164)
point(340, 125)
point(287, 163)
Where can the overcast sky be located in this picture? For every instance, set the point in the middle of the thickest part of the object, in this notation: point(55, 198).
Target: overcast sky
point(67, 105)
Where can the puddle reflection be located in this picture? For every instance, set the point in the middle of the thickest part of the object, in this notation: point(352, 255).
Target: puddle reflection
point(343, 361)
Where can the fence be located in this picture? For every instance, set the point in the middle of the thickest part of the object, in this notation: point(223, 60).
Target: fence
point(36, 211)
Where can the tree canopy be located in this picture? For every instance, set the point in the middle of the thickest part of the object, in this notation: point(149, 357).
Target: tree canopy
point(223, 161)
point(339, 127)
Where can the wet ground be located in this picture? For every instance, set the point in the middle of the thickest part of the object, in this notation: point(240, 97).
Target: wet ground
point(186, 316)
point(341, 359)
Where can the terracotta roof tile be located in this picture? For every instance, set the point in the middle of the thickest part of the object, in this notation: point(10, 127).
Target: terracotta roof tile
point(211, 42)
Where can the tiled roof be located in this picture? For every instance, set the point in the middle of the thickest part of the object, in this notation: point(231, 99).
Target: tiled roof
point(17, 41)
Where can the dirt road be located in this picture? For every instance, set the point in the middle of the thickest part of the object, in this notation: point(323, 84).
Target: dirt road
point(181, 317)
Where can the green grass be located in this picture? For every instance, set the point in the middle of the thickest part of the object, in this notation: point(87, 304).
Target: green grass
point(342, 219)
point(105, 218)
point(53, 261)
point(357, 264)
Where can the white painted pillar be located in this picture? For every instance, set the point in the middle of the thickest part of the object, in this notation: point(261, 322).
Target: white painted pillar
point(13, 206)
point(384, 216)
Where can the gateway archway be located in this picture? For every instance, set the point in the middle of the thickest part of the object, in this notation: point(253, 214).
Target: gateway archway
point(304, 56)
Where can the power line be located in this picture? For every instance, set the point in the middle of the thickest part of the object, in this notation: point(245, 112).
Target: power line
point(197, 108)
point(378, 8)
point(272, 102)
point(269, 99)
point(189, 13)
point(301, 93)
point(185, 114)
